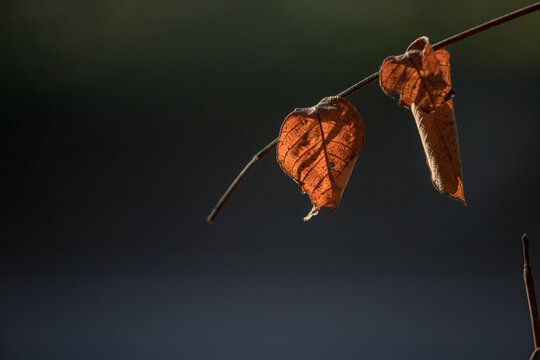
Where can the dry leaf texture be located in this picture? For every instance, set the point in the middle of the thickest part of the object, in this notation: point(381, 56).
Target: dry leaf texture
point(439, 137)
point(415, 76)
point(318, 147)
point(437, 125)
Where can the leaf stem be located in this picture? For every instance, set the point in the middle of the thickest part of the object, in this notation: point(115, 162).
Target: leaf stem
point(368, 80)
point(531, 293)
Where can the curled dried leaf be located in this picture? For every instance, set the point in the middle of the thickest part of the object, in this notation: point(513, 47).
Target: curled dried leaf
point(416, 76)
point(318, 147)
point(421, 78)
point(439, 137)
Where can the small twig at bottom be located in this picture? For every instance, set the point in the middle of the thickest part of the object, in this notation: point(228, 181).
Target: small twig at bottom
point(531, 295)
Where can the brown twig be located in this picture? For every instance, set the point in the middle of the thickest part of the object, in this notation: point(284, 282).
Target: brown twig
point(531, 293)
point(370, 79)
point(254, 161)
point(487, 25)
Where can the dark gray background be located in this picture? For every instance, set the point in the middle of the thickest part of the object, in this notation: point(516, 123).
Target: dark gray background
point(123, 121)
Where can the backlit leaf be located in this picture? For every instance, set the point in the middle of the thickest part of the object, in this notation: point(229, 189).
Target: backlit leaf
point(439, 137)
point(421, 77)
point(415, 76)
point(318, 147)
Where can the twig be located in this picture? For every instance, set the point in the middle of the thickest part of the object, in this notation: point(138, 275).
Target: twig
point(531, 293)
point(453, 39)
point(370, 79)
point(487, 25)
point(256, 159)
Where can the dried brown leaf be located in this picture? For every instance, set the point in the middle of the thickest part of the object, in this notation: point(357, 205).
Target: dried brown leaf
point(318, 147)
point(421, 78)
point(416, 76)
point(439, 137)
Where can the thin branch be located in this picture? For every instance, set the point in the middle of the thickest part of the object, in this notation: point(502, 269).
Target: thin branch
point(531, 293)
point(368, 80)
point(453, 39)
point(487, 25)
point(256, 159)
point(371, 78)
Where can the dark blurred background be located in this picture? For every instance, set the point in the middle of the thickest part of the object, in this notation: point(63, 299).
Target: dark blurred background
point(123, 121)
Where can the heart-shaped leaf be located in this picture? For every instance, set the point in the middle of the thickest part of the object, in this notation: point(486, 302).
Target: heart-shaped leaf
point(318, 147)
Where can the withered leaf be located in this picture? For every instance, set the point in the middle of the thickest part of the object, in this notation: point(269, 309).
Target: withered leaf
point(415, 76)
point(422, 78)
point(318, 147)
point(439, 137)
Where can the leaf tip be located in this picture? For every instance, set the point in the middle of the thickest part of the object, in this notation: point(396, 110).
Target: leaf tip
point(459, 193)
point(462, 199)
point(314, 211)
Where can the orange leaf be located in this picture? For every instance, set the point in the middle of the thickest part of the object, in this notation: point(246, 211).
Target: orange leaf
point(422, 78)
point(318, 147)
point(439, 137)
point(416, 76)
